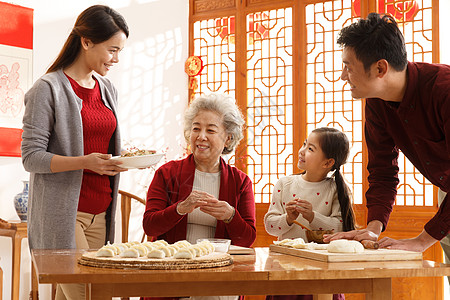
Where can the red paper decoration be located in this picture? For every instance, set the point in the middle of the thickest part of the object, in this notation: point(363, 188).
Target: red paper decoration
point(402, 11)
point(257, 28)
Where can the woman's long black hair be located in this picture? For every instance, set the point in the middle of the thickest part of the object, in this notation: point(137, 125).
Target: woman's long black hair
point(335, 144)
point(97, 23)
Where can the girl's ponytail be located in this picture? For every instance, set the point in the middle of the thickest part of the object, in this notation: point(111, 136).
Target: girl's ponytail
point(348, 215)
point(335, 144)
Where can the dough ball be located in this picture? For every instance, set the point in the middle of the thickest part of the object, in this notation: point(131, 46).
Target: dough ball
point(345, 246)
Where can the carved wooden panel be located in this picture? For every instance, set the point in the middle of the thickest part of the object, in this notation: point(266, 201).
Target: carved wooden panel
point(212, 5)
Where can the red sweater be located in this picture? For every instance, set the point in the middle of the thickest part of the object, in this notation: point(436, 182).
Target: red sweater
point(173, 182)
point(420, 127)
point(99, 124)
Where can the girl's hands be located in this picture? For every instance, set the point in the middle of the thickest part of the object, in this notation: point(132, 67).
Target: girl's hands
point(291, 210)
point(296, 207)
point(305, 208)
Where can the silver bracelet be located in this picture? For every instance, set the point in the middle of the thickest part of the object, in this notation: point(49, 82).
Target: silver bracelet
point(230, 218)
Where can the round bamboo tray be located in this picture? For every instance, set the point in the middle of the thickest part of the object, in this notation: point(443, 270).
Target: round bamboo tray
point(213, 260)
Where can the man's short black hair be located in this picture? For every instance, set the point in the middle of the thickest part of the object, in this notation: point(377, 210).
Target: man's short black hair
point(377, 37)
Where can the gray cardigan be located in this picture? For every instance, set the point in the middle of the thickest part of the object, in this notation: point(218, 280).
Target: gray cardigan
point(52, 125)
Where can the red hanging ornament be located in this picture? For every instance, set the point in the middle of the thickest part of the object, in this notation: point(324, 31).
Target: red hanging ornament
point(193, 65)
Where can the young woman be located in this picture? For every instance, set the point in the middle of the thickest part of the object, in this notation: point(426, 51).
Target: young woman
point(312, 197)
point(70, 131)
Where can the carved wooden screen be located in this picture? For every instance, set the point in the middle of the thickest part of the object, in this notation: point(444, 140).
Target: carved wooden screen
point(268, 93)
point(269, 99)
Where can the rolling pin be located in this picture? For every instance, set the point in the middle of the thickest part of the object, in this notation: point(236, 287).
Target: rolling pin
point(370, 244)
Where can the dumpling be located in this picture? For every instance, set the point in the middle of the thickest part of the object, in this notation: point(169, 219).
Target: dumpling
point(205, 248)
point(149, 246)
point(113, 248)
point(156, 253)
point(130, 253)
point(183, 244)
point(207, 244)
point(165, 250)
point(184, 254)
point(141, 249)
point(161, 242)
point(121, 246)
point(199, 251)
point(285, 242)
point(105, 252)
point(298, 243)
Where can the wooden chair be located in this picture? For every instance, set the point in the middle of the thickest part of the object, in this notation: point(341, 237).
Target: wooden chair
point(126, 198)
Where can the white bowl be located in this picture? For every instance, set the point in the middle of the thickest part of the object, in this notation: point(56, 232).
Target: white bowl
point(138, 162)
point(220, 245)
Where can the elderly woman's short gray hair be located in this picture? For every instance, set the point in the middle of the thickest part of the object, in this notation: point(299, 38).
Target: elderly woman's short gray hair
point(224, 106)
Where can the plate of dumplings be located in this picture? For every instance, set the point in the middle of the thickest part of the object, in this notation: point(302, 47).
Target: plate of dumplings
point(157, 255)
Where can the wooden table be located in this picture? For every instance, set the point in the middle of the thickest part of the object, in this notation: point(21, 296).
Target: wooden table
point(260, 274)
point(17, 231)
point(1, 283)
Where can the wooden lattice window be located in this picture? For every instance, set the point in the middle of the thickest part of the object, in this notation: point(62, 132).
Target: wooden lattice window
point(283, 66)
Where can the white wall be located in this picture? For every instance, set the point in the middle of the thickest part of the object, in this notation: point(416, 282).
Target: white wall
point(151, 82)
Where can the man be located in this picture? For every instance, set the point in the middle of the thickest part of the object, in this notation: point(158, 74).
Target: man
point(407, 109)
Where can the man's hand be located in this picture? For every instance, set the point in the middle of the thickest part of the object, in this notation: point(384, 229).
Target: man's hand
point(371, 233)
point(419, 243)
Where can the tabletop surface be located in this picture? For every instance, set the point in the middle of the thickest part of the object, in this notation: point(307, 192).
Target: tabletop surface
point(62, 266)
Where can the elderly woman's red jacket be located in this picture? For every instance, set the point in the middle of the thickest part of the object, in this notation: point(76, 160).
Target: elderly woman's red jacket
point(173, 182)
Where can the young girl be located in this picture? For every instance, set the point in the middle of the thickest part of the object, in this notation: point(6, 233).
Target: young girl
point(312, 197)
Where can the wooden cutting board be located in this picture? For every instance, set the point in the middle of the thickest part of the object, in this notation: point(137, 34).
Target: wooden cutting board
point(234, 250)
point(367, 255)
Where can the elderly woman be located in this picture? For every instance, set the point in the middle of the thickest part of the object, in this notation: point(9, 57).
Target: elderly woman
point(201, 196)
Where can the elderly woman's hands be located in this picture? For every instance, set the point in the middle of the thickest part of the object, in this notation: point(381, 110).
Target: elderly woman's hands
point(194, 200)
point(220, 210)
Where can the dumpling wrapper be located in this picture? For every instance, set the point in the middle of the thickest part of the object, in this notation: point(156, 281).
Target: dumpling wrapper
point(298, 243)
point(320, 246)
point(285, 242)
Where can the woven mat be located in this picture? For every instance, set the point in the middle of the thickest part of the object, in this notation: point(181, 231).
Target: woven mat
point(212, 260)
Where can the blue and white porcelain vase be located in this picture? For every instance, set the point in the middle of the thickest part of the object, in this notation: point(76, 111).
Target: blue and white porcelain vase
point(21, 202)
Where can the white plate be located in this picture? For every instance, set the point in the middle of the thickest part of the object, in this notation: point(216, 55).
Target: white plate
point(138, 162)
